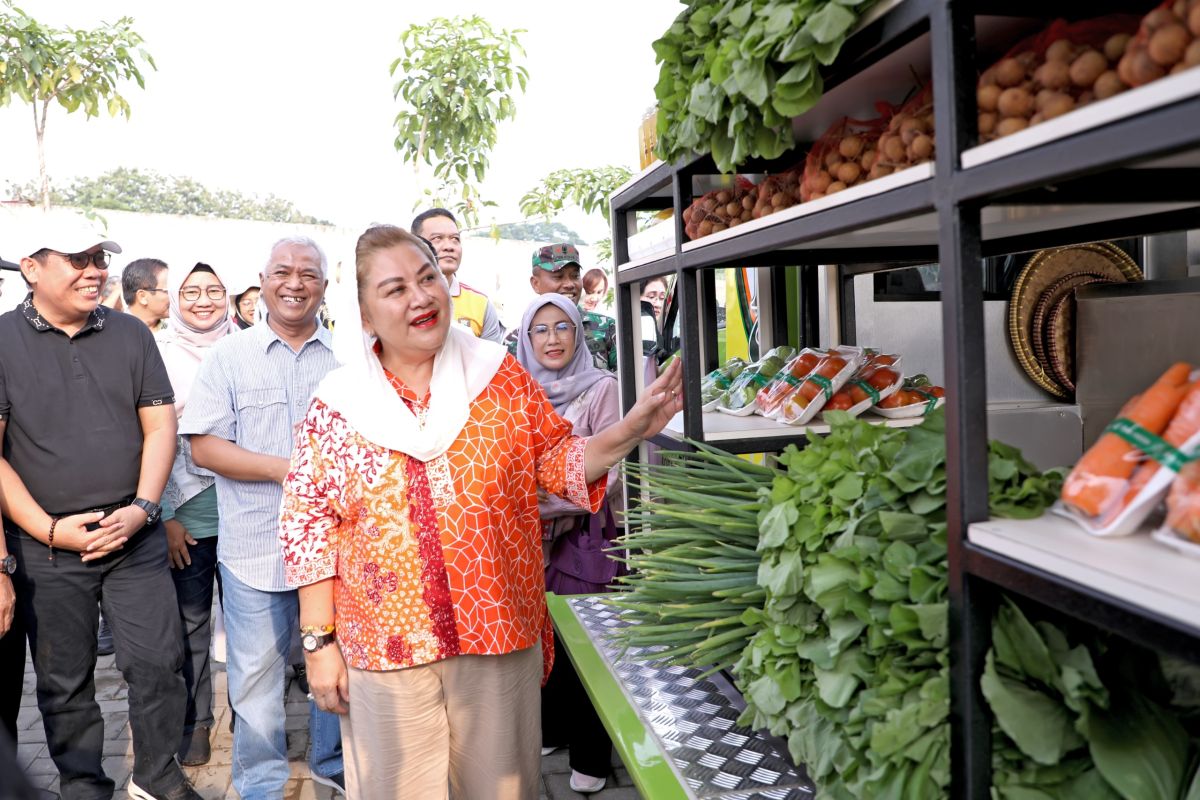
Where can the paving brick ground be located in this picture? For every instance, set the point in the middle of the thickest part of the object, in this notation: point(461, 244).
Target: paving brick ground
point(213, 779)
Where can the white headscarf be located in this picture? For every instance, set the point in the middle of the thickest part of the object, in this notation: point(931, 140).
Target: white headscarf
point(183, 346)
point(360, 391)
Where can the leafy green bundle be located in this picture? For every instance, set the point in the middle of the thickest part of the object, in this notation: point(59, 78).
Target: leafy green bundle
point(1078, 719)
point(734, 72)
point(691, 548)
point(850, 659)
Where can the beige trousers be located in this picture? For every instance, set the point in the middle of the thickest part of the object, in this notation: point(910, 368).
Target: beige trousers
point(468, 728)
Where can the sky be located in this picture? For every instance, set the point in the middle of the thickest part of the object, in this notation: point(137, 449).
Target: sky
point(294, 99)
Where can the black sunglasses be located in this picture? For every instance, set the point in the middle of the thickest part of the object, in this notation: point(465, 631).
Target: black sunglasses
point(80, 261)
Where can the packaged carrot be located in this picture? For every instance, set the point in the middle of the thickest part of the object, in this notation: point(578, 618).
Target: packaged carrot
point(1103, 493)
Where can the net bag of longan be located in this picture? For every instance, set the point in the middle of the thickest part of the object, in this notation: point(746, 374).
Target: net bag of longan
point(1069, 64)
point(1167, 42)
point(909, 138)
point(779, 191)
point(842, 157)
point(719, 209)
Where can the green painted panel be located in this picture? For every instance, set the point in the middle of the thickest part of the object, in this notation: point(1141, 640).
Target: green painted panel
point(644, 759)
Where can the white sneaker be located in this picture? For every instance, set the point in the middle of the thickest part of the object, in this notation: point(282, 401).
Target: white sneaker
point(586, 784)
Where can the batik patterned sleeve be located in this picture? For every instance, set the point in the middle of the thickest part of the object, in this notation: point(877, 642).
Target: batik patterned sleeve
point(560, 462)
point(307, 519)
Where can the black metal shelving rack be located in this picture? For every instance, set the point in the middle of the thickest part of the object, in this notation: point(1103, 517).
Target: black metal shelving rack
point(1111, 180)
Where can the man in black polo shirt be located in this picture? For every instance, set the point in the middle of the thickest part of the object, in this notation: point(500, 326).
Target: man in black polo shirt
point(88, 429)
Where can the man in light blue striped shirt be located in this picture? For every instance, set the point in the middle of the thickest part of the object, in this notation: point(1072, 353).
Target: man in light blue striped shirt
point(251, 393)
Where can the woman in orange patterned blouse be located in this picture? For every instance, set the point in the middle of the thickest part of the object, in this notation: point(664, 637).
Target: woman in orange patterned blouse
point(410, 524)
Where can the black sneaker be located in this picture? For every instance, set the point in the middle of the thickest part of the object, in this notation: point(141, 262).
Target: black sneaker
point(183, 791)
point(104, 641)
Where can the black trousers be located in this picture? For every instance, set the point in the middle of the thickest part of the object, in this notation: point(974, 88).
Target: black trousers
point(12, 679)
point(569, 720)
point(58, 600)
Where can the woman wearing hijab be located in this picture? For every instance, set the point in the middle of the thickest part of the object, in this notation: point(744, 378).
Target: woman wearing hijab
point(410, 524)
point(198, 318)
point(245, 304)
point(550, 348)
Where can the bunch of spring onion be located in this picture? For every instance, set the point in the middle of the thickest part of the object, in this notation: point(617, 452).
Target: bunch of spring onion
point(692, 557)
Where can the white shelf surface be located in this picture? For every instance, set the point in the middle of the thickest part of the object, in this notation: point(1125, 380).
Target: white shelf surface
point(1158, 94)
point(634, 180)
point(650, 258)
point(1134, 568)
point(720, 427)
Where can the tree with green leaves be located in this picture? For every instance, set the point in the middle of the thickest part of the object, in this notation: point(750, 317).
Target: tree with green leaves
point(78, 69)
point(146, 191)
point(457, 79)
point(589, 189)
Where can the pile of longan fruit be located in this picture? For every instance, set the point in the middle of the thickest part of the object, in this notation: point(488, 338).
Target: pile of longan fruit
point(1167, 43)
point(1026, 89)
point(778, 192)
point(719, 210)
point(842, 158)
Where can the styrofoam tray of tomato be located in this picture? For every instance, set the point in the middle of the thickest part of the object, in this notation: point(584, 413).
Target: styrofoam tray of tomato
point(876, 380)
point(806, 400)
point(915, 398)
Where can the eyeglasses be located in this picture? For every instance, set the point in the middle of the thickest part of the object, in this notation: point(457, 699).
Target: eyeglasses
point(192, 293)
point(562, 329)
point(80, 261)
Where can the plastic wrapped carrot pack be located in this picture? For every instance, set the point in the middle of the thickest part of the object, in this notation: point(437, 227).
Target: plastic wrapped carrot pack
point(1122, 478)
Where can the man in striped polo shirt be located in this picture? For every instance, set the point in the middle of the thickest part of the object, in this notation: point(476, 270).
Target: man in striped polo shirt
point(251, 392)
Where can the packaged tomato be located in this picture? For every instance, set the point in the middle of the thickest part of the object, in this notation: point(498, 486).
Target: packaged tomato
point(1183, 503)
point(877, 379)
point(829, 375)
point(789, 378)
point(916, 397)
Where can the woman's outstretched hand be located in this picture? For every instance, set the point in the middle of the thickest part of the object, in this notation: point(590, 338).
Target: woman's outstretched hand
point(659, 402)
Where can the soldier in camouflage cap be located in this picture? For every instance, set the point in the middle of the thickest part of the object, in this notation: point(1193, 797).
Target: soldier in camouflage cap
point(556, 268)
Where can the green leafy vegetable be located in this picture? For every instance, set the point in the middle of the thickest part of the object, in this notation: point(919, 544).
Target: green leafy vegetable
point(734, 72)
point(853, 546)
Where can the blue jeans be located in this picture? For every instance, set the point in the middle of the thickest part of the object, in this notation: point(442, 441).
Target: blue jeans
point(194, 591)
point(258, 634)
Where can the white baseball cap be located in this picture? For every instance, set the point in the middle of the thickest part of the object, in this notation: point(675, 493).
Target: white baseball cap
point(62, 233)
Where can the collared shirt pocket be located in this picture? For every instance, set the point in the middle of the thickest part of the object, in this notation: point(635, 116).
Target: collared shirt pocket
point(263, 421)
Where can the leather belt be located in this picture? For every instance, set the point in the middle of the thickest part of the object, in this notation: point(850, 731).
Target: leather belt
point(106, 510)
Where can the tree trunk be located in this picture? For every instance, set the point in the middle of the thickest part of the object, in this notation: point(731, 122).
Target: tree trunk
point(40, 130)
